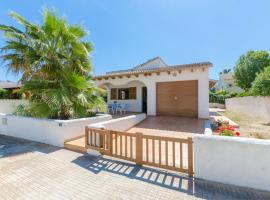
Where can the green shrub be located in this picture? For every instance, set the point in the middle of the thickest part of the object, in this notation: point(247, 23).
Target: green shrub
point(261, 84)
point(8, 94)
point(22, 110)
point(221, 92)
point(244, 94)
point(3, 93)
point(234, 94)
point(222, 95)
point(218, 98)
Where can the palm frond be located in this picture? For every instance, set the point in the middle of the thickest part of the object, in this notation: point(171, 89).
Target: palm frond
point(55, 66)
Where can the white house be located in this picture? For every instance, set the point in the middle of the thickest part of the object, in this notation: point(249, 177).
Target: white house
point(158, 89)
point(226, 82)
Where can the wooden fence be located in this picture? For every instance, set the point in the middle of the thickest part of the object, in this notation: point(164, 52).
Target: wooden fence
point(158, 151)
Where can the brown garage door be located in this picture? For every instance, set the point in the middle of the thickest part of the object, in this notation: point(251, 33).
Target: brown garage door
point(178, 98)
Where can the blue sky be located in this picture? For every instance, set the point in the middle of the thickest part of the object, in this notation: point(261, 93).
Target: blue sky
point(128, 32)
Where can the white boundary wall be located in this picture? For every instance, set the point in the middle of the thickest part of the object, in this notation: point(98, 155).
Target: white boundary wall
point(232, 160)
point(120, 124)
point(53, 132)
point(251, 106)
point(8, 106)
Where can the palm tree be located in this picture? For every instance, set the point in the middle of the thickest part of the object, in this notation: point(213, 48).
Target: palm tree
point(54, 63)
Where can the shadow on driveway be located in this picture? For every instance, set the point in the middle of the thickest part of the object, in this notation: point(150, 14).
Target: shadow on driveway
point(167, 179)
point(151, 175)
point(11, 146)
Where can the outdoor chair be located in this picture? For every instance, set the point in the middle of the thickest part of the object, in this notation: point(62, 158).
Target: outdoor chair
point(110, 108)
point(120, 107)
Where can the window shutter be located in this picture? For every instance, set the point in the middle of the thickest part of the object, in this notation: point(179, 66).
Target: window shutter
point(132, 93)
point(114, 94)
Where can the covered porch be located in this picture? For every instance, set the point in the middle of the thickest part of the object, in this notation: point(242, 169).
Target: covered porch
point(124, 99)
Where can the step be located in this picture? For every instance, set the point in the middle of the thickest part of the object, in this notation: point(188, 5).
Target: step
point(76, 144)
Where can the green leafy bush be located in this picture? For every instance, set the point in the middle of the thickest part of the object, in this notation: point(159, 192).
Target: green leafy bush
point(3, 93)
point(261, 85)
point(234, 94)
point(222, 95)
point(221, 92)
point(218, 98)
point(22, 110)
point(244, 94)
point(8, 94)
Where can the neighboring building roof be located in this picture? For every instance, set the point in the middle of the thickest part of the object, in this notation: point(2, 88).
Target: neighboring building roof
point(212, 83)
point(9, 85)
point(146, 65)
point(161, 67)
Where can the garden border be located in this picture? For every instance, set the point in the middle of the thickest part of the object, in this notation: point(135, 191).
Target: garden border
point(54, 132)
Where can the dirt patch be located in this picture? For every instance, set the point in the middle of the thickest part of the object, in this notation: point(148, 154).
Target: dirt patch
point(249, 126)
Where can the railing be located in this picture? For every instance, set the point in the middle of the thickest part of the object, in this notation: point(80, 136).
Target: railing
point(98, 139)
point(124, 145)
point(158, 151)
point(168, 152)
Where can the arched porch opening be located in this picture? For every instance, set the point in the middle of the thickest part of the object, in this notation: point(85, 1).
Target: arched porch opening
point(130, 93)
point(141, 94)
point(106, 90)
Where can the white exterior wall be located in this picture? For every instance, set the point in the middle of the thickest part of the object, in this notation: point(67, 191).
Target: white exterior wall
point(232, 160)
point(150, 83)
point(258, 107)
point(8, 106)
point(53, 132)
point(120, 124)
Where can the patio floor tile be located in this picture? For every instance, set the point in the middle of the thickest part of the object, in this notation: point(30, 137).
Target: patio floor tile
point(181, 127)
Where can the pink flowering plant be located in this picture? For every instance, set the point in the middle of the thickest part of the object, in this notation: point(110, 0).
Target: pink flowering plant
point(223, 128)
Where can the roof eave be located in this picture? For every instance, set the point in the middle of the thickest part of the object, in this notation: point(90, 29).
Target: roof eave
point(163, 69)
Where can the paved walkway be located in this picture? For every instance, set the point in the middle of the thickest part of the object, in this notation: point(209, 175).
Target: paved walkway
point(216, 114)
point(180, 127)
point(30, 170)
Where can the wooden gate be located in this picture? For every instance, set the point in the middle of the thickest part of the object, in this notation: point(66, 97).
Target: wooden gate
point(158, 151)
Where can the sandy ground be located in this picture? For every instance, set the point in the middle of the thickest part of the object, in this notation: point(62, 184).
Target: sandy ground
point(249, 126)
